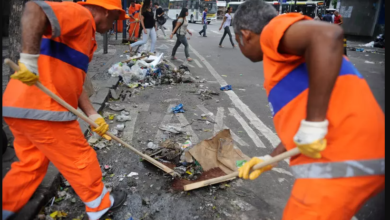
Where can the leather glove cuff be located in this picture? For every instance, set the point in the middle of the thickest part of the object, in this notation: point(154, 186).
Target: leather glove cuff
point(94, 117)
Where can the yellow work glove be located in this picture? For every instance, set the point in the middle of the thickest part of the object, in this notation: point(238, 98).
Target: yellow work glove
point(28, 69)
point(136, 20)
point(310, 138)
point(102, 128)
point(243, 172)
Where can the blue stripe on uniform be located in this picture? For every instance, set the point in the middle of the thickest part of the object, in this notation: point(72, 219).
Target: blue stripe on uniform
point(64, 53)
point(296, 82)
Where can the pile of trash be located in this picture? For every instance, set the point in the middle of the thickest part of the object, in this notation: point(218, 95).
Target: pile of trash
point(379, 42)
point(147, 70)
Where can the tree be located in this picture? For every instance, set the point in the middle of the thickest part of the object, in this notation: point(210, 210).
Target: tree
point(15, 33)
point(334, 3)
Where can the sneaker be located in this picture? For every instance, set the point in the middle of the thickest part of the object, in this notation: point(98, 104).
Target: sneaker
point(173, 58)
point(189, 59)
point(119, 199)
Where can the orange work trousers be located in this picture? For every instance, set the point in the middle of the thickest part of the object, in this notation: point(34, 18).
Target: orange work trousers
point(335, 199)
point(63, 143)
point(134, 30)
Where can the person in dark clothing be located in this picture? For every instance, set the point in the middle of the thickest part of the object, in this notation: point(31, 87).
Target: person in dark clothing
point(327, 17)
point(160, 18)
point(148, 25)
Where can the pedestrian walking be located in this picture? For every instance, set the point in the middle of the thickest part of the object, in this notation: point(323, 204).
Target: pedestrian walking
point(327, 17)
point(327, 111)
point(226, 26)
point(204, 22)
point(160, 18)
point(148, 25)
point(56, 51)
point(337, 18)
point(180, 31)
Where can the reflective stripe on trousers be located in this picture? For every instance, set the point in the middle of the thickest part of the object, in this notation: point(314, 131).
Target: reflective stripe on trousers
point(6, 214)
point(44, 115)
point(98, 214)
point(349, 168)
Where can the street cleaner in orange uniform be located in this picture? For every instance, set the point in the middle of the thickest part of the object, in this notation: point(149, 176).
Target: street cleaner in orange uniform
point(58, 42)
point(320, 104)
point(134, 12)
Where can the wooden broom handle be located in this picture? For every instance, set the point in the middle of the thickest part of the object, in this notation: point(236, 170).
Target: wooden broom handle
point(92, 123)
point(282, 156)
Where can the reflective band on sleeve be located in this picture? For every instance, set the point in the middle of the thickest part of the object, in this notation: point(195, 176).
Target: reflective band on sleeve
point(55, 25)
point(36, 114)
point(349, 168)
point(7, 214)
point(98, 214)
point(95, 203)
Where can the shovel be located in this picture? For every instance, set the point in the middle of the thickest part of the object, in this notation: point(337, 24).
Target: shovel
point(92, 123)
point(285, 155)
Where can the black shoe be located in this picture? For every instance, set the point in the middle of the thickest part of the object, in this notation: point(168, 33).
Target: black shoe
point(119, 199)
point(200, 34)
point(204, 36)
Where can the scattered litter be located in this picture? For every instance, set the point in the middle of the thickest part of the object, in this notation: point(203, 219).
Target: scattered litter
point(92, 140)
point(281, 179)
point(205, 94)
point(123, 118)
point(124, 112)
point(152, 146)
point(178, 109)
point(369, 62)
point(224, 75)
point(186, 144)
point(360, 50)
point(107, 167)
point(119, 69)
point(58, 214)
point(132, 174)
point(114, 131)
point(111, 116)
point(171, 129)
point(239, 163)
point(188, 78)
point(371, 44)
point(116, 107)
point(226, 88)
point(120, 127)
point(100, 145)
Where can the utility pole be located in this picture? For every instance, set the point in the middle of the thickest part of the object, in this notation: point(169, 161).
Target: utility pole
point(295, 6)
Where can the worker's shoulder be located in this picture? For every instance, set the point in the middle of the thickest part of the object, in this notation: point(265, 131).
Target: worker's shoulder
point(279, 24)
point(69, 8)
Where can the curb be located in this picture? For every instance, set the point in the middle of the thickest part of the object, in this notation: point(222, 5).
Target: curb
point(48, 188)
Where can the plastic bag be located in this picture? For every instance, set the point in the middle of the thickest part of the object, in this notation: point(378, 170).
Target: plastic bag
point(138, 73)
point(119, 69)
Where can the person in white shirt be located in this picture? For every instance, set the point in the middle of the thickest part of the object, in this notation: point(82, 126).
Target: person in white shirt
point(226, 25)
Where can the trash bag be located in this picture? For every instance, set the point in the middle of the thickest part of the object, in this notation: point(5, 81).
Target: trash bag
point(119, 69)
point(138, 72)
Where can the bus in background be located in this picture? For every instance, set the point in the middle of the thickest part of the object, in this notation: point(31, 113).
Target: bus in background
point(237, 3)
point(195, 9)
point(310, 9)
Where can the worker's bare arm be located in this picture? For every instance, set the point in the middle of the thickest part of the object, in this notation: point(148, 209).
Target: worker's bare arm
point(278, 150)
point(85, 105)
point(322, 46)
point(34, 24)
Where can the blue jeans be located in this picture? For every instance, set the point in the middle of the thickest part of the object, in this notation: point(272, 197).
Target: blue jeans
point(145, 37)
point(204, 29)
point(181, 39)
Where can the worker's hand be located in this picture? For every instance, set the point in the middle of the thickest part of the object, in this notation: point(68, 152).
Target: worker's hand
point(243, 172)
point(310, 138)
point(28, 69)
point(103, 126)
point(190, 33)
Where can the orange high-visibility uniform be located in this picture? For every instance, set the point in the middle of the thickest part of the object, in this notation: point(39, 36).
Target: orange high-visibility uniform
point(44, 130)
point(351, 169)
point(134, 27)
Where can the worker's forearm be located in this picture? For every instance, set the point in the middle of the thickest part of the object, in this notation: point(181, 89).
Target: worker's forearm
point(85, 105)
point(323, 59)
point(34, 24)
point(278, 150)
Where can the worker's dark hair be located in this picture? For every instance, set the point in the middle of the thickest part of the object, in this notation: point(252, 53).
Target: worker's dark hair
point(156, 4)
point(183, 13)
point(145, 6)
point(227, 10)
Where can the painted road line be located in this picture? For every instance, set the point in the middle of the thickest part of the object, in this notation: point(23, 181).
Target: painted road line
point(217, 32)
point(167, 118)
point(219, 120)
point(184, 123)
point(128, 133)
point(198, 63)
point(185, 63)
point(254, 120)
point(235, 137)
point(251, 133)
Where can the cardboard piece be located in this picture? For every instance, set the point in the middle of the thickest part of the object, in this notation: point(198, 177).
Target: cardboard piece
point(219, 151)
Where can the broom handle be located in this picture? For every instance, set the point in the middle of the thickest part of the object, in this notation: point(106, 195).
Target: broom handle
point(91, 122)
point(282, 156)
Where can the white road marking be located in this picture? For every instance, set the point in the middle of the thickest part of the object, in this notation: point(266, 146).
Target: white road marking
point(167, 118)
point(354, 218)
point(251, 133)
point(234, 136)
point(254, 120)
point(281, 170)
point(128, 133)
point(198, 63)
point(183, 121)
point(185, 63)
point(219, 120)
point(217, 32)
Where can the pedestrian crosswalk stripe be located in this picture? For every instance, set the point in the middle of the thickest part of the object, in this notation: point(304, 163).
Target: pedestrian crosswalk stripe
point(198, 63)
point(217, 32)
